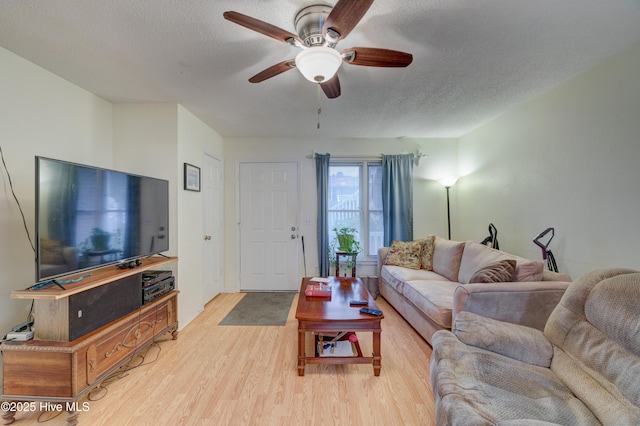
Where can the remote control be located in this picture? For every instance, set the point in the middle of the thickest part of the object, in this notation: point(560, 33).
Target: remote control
point(371, 311)
point(358, 302)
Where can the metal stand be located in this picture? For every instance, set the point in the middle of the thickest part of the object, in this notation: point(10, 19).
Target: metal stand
point(448, 213)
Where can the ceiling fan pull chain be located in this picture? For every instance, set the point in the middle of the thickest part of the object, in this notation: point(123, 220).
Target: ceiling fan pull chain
point(319, 108)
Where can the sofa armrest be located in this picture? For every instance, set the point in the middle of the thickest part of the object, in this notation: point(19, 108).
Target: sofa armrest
point(382, 255)
point(548, 275)
point(515, 341)
point(525, 303)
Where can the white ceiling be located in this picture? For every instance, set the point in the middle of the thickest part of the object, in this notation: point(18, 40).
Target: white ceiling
point(473, 59)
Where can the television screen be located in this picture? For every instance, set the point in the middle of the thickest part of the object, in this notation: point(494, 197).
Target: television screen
point(87, 217)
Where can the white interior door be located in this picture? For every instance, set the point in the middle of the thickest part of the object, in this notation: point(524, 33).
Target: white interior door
point(212, 213)
point(268, 226)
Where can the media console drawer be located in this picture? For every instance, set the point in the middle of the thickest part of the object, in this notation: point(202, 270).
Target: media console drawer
point(37, 373)
point(111, 349)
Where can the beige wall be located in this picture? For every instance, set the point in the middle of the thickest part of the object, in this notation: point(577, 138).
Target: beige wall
point(567, 160)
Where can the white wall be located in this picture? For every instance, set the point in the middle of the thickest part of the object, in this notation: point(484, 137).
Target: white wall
point(40, 114)
point(194, 139)
point(567, 160)
point(155, 140)
point(429, 196)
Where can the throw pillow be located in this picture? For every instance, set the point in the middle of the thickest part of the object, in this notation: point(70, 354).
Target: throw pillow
point(428, 245)
point(498, 272)
point(407, 254)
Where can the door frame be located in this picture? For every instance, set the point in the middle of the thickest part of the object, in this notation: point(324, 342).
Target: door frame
point(238, 217)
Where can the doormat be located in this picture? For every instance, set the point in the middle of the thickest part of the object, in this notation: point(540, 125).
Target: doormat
point(270, 308)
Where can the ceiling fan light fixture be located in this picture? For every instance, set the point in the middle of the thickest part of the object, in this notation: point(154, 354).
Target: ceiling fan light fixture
point(319, 63)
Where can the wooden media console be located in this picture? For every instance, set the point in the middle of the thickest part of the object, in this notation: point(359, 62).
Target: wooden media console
point(53, 368)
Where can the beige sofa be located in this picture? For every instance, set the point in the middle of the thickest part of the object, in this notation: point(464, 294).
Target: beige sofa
point(584, 369)
point(429, 299)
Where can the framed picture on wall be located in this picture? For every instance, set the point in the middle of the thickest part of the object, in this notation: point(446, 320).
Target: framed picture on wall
point(191, 177)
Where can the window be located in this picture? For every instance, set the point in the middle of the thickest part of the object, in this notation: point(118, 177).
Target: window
point(355, 201)
point(102, 201)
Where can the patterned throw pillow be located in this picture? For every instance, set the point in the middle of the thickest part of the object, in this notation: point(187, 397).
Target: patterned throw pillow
point(407, 254)
point(498, 272)
point(427, 252)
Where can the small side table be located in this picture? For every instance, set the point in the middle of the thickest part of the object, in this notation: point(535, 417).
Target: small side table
point(350, 257)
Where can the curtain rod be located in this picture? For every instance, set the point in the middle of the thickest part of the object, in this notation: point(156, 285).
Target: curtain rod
point(418, 155)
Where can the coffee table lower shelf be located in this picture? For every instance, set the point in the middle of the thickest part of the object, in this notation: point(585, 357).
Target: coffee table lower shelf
point(305, 328)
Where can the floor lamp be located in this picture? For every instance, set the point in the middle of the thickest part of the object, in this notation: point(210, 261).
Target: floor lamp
point(448, 183)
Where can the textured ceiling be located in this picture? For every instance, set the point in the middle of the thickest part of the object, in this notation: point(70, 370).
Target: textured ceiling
point(473, 60)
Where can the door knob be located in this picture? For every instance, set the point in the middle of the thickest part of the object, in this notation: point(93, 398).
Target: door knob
point(207, 237)
point(294, 236)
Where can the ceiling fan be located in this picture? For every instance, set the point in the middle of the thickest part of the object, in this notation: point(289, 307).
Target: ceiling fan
point(320, 27)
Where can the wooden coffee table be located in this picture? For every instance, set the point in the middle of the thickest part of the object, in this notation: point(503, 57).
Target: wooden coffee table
point(334, 315)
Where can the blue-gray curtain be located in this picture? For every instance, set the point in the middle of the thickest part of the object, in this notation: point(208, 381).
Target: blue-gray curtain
point(397, 197)
point(62, 203)
point(322, 182)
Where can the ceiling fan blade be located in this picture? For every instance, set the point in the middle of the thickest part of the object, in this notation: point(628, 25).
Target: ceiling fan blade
point(374, 57)
point(273, 70)
point(263, 28)
point(331, 88)
point(344, 16)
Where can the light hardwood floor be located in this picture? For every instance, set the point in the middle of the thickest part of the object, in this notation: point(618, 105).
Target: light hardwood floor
point(241, 375)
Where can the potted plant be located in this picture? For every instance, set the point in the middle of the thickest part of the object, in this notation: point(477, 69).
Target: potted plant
point(100, 239)
point(346, 238)
point(344, 242)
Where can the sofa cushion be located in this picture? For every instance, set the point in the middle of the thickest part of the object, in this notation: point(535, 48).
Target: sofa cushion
point(473, 386)
point(407, 254)
point(501, 271)
point(515, 341)
point(476, 256)
point(447, 256)
point(434, 298)
point(396, 276)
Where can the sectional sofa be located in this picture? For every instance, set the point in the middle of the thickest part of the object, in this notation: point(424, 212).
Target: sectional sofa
point(454, 276)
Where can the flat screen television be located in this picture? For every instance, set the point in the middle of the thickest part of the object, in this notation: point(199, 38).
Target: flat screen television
point(88, 217)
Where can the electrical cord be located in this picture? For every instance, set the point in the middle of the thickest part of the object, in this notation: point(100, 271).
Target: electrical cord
point(24, 221)
point(45, 416)
point(123, 371)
